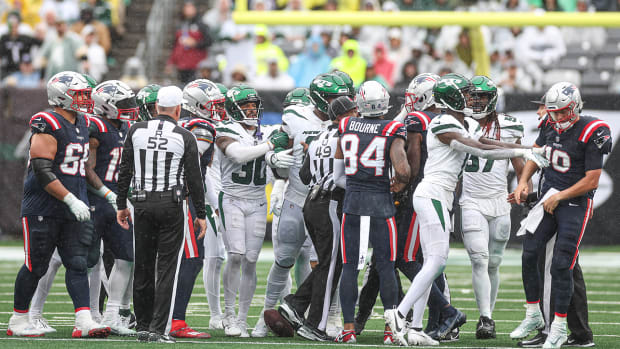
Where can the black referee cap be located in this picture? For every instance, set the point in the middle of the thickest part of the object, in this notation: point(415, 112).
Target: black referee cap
point(340, 106)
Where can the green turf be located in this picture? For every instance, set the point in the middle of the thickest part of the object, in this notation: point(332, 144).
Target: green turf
point(603, 288)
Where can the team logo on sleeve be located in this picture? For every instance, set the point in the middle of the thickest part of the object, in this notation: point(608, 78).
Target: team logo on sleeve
point(600, 141)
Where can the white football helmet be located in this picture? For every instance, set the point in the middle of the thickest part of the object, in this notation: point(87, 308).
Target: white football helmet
point(419, 93)
point(70, 91)
point(563, 103)
point(115, 100)
point(372, 100)
point(204, 100)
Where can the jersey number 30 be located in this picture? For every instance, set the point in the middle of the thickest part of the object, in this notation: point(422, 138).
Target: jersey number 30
point(372, 156)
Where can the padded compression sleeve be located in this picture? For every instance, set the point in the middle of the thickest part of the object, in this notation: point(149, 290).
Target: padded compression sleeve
point(494, 154)
point(241, 154)
point(211, 191)
point(339, 177)
point(43, 171)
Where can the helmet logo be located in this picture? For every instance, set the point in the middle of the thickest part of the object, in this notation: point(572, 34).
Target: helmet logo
point(65, 79)
point(108, 88)
point(569, 90)
point(323, 83)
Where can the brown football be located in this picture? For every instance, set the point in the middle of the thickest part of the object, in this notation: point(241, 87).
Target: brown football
point(277, 324)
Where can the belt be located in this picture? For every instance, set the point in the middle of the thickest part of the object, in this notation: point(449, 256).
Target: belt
point(167, 194)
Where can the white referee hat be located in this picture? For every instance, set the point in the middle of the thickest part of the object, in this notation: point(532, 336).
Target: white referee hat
point(169, 96)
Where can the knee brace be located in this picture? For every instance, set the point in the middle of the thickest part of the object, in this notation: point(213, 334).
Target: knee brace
point(76, 263)
point(235, 260)
point(495, 261)
point(563, 256)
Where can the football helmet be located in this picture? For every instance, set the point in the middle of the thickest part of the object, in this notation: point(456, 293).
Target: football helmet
point(300, 95)
point(372, 100)
point(452, 92)
point(204, 100)
point(325, 87)
point(236, 98)
point(70, 91)
point(419, 93)
point(146, 99)
point(563, 103)
point(115, 100)
point(347, 81)
point(483, 97)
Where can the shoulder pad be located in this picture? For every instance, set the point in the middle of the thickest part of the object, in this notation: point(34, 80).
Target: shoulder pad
point(394, 128)
point(227, 130)
point(417, 121)
point(44, 122)
point(508, 122)
point(445, 123)
point(200, 123)
point(202, 134)
point(293, 112)
point(597, 131)
point(97, 125)
point(343, 125)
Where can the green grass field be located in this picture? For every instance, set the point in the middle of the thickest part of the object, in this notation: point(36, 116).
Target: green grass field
point(603, 293)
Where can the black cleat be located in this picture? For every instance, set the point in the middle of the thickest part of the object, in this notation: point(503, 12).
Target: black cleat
point(289, 313)
point(485, 329)
point(453, 336)
point(360, 322)
point(314, 334)
point(573, 341)
point(536, 342)
point(143, 336)
point(455, 320)
point(161, 338)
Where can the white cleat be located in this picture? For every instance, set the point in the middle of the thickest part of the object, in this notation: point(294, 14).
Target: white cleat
point(113, 320)
point(41, 323)
point(532, 322)
point(334, 325)
point(243, 326)
point(260, 329)
point(557, 335)
point(20, 326)
point(85, 326)
point(216, 322)
point(420, 338)
point(397, 325)
point(231, 327)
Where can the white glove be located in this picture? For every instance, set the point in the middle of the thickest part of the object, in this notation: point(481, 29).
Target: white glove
point(298, 153)
point(111, 199)
point(540, 151)
point(277, 197)
point(539, 159)
point(107, 194)
point(283, 159)
point(77, 207)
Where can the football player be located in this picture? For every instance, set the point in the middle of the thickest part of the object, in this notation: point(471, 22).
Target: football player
point(146, 99)
point(448, 144)
point(575, 146)
point(203, 105)
point(485, 213)
point(299, 95)
point(367, 149)
point(242, 202)
point(55, 213)
point(300, 124)
point(114, 107)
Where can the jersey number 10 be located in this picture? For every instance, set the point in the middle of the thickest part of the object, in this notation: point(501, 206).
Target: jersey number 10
point(372, 156)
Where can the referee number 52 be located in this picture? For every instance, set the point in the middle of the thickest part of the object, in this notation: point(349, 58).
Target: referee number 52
point(157, 143)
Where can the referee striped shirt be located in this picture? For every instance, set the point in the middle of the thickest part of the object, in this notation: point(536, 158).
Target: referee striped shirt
point(157, 156)
point(321, 154)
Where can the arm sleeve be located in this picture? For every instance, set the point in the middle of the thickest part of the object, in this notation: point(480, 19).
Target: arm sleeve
point(193, 175)
point(339, 177)
point(494, 154)
point(241, 154)
point(125, 173)
point(211, 191)
point(304, 172)
point(598, 145)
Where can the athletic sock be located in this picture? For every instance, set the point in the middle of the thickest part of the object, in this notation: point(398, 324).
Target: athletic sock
point(117, 284)
point(232, 279)
point(276, 282)
point(211, 279)
point(248, 287)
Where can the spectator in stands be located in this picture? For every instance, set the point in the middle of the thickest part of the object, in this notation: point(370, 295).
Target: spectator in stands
point(46, 29)
point(14, 16)
point(208, 69)
point(239, 46)
point(26, 77)
point(95, 63)
point(264, 50)
point(217, 16)
point(102, 31)
point(408, 72)
point(542, 45)
point(370, 35)
point(445, 71)
point(424, 61)
point(327, 37)
point(313, 61)
point(586, 37)
point(192, 39)
point(495, 69)
point(351, 62)
point(414, 5)
point(293, 34)
point(384, 67)
point(397, 52)
point(133, 74)
point(463, 48)
point(101, 11)
point(514, 79)
point(59, 53)
point(14, 46)
point(274, 80)
point(66, 10)
point(371, 74)
point(239, 74)
point(452, 62)
point(516, 5)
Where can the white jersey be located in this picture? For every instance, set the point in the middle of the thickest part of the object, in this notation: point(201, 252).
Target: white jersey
point(488, 179)
point(302, 125)
point(444, 165)
point(248, 180)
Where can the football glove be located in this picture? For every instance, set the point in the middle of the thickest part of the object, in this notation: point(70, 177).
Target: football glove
point(77, 207)
point(539, 159)
point(279, 139)
point(282, 159)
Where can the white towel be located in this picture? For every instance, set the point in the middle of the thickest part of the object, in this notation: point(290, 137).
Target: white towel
point(364, 236)
point(531, 222)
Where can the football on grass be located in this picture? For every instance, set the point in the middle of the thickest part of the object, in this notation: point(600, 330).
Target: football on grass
point(277, 324)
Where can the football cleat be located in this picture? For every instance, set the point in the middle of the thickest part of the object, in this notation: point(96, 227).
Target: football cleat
point(231, 328)
point(387, 337)
point(143, 336)
point(346, 336)
point(334, 325)
point(415, 337)
point(41, 323)
point(161, 338)
point(485, 329)
point(243, 327)
point(313, 334)
point(216, 322)
point(397, 325)
point(289, 313)
point(260, 329)
point(536, 342)
point(20, 326)
point(447, 324)
point(113, 320)
point(85, 326)
point(180, 329)
point(128, 319)
point(453, 336)
point(573, 341)
point(558, 335)
point(533, 321)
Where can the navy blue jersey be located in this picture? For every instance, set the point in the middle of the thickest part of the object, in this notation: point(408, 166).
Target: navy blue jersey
point(68, 165)
point(191, 124)
point(365, 144)
point(418, 122)
point(110, 150)
point(573, 152)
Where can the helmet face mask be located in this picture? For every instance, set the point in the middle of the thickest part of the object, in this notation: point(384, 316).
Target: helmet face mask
point(482, 97)
point(419, 93)
point(81, 100)
point(243, 105)
point(70, 91)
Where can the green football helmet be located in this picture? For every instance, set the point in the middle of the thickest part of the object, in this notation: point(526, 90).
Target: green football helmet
point(222, 88)
point(483, 97)
point(91, 81)
point(238, 96)
point(300, 95)
point(324, 88)
point(452, 92)
point(146, 99)
point(348, 81)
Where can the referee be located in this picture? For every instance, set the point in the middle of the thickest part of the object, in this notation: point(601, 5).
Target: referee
point(322, 211)
point(162, 159)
